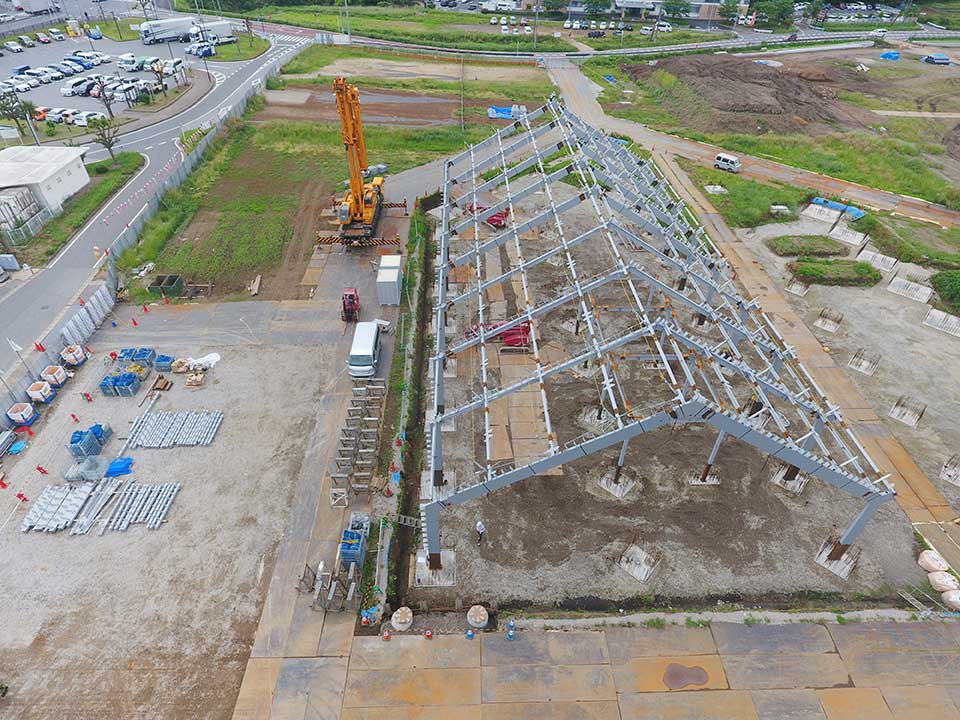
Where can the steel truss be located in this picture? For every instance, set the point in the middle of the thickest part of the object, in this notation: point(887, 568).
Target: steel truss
point(722, 360)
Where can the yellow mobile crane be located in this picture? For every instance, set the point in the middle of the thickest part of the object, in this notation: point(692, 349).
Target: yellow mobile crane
point(361, 207)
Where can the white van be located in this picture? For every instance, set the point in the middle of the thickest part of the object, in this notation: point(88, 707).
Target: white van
point(730, 163)
point(365, 351)
point(172, 67)
point(71, 86)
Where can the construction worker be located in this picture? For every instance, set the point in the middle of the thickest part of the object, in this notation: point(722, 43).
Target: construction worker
point(3, 690)
point(481, 529)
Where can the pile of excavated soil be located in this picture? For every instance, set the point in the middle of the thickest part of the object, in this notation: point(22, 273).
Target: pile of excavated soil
point(738, 95)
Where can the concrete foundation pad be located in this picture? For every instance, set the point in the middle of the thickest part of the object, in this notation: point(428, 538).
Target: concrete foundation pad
point(696, 479)
point(720, 705)
point(657, 674)
point(626, 643)
point(430, 492)
point(618, 489)
point(569, 648)
point(449, 687)
point(880, 669)
point(638, 563)
point(785, 671)
point(304, 683)
point(787, 705)
point(917, 703)
point(842, 567)
point(445, 577)
point(547, 683)
point(795, 486)
point(854, 704)
point(413, 651)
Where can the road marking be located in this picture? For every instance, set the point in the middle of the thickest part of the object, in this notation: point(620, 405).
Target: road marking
point(99, 215)
point(149, 147)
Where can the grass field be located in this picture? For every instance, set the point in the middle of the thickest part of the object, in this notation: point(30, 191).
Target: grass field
point(947, 284)
point(118, 29)
point(902, 158)
point(250, 189)
point(866, 26)
point(940, 12)
point(747, 203)
point(406, 24)
point(913, 241)
point(247, 46)
point(526, 91)
point(822, 271)
point(106, 178)
point(805, 245)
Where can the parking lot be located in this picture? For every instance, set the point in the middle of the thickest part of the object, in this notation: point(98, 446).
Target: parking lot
point(49, 94)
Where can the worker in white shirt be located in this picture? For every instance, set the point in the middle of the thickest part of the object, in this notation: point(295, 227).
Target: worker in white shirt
point(481, 529)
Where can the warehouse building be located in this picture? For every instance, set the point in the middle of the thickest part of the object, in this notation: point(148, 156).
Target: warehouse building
point(51, 173)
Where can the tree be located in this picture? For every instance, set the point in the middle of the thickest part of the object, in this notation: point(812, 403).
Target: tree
point(778, 12)
point(555, 6)
point(814, 9)
point(10, 109)
point(105, 98)
point(596, 7)
point(157, 69)
point(730, 10)
point(105, 132)
point(676, 8)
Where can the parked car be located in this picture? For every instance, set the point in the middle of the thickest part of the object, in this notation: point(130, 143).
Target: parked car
point(513, 19)
point(56, 34)
point(43, 38)
point(38, 74)
point(74, 86)
point(523, 21)
point(205, 50)
point(567, 24)
point(68, 116)
point(83, 119)
point(527, 30)
point(20, 86)
point(504, 30)
point(172, 67)
point(646, 30)
point(55, 115)
point(13, 47)
point(81, 61)
point(664, 27)
point(596, 34)
point(30, 81)
point(54, 72)
point(603, 25)
point(725, 161)
point(40, 113)
point(493, 20)
point(26, 41)
point(76, 67)
point(91, 56)
point(104, 58)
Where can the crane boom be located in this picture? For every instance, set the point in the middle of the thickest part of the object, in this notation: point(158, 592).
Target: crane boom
point(361, 207)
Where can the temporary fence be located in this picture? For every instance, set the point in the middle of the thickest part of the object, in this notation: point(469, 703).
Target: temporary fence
point(19, 235)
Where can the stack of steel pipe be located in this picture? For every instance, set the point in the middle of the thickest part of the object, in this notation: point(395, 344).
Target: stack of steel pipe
point(175, 429)
point(147, 504)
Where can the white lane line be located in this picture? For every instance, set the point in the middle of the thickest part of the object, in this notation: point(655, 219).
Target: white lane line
point(100, 214)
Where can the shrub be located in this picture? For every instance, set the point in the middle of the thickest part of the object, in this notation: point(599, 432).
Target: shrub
point(835, 272)
point(947, 283)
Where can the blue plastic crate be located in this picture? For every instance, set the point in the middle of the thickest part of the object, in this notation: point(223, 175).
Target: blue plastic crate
point(84, 444)
point(164, 363)
point(128, 385)
point(126, 354)
point(108, 386)
point(102, 432)
point(145, 356)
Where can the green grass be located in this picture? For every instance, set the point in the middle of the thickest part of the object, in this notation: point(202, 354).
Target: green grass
point(913, 241)
point(866, 26)
point(246, 47)
point(406, 24)
point(822, 271)
point(249, 189)
point(189, 139)
point(106, 178)
point(656, 623)
point(806, 245)
point(109, 28)
point(947, 284)
point(746, 202)
point(636, 40)
point(317, 57)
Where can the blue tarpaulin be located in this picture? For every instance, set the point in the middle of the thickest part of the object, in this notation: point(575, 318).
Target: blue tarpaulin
point(891, 55)
point(610, 79)
point(120, 466)
point(855, 212)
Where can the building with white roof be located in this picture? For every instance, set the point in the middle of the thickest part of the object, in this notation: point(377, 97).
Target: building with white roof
point(52, 173)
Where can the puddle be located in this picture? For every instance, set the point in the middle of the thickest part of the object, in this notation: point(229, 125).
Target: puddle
point(677, 677)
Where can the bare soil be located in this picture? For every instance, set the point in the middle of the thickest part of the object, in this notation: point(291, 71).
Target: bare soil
point(403, 69)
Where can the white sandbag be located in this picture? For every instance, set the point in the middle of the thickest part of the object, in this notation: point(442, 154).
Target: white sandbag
point(942, 581)
point(204, 363)
point(951, 598)
point(932, 561)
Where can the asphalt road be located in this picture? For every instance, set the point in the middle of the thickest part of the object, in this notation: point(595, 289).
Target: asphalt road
point(30, 306)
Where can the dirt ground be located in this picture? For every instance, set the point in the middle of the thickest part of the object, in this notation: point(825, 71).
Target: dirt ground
point(158, 623)
point(557, 538)
point(805, 94)
point(403, 69)
point(917, 361)
point(379, 107)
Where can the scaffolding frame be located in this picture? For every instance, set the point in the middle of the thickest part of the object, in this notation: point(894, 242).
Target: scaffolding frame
point(636, 211)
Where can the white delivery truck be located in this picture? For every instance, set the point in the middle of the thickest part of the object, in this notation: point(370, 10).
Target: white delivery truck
point(215, 32)
point(169, 30)
point(39, 7)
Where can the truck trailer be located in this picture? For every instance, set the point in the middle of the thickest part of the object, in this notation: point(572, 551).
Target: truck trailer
point(38, 7)
point(170, 30)
point(215, 32)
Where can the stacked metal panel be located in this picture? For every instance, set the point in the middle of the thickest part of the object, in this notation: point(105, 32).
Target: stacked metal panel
point(175, 429)
point(56, 508)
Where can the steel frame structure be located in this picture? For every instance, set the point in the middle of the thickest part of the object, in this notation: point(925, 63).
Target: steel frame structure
point(722, 360)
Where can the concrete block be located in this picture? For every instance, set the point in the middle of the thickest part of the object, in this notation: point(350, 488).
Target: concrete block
point(547, 683)
point(720, 705)
point(528, 648)
point(787, 705)
point(626, 643)
point(449, 687)
point(854, 704)
point(738, 639)
point(412, 651)
point(761, 671)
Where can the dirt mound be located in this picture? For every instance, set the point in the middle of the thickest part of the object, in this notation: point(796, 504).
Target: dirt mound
point(739, 95)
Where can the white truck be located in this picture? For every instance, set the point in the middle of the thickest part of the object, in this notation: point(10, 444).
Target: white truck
point(169, 30)
point(216, 32)
point(498, 6)
point(38, 7)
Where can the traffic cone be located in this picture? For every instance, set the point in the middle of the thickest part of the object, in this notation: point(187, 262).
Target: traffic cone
point(364, 621)
point(74, 416)
point(387, 492)
point(135, 323)
point(87, 396)
point(393, 467)
point(386, 635)
point(42, 470)
point(22, 498)
point(82, 303)
point(145, 308)
point(39, 346)
point(3, 485)
point(166, 300)
point(399, 442)
point(428, 634)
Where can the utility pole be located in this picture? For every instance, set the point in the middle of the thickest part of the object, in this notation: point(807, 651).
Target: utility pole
point(536, 23)
point(346, 9)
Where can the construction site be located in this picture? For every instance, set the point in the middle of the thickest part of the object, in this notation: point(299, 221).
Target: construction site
point(524, 380)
